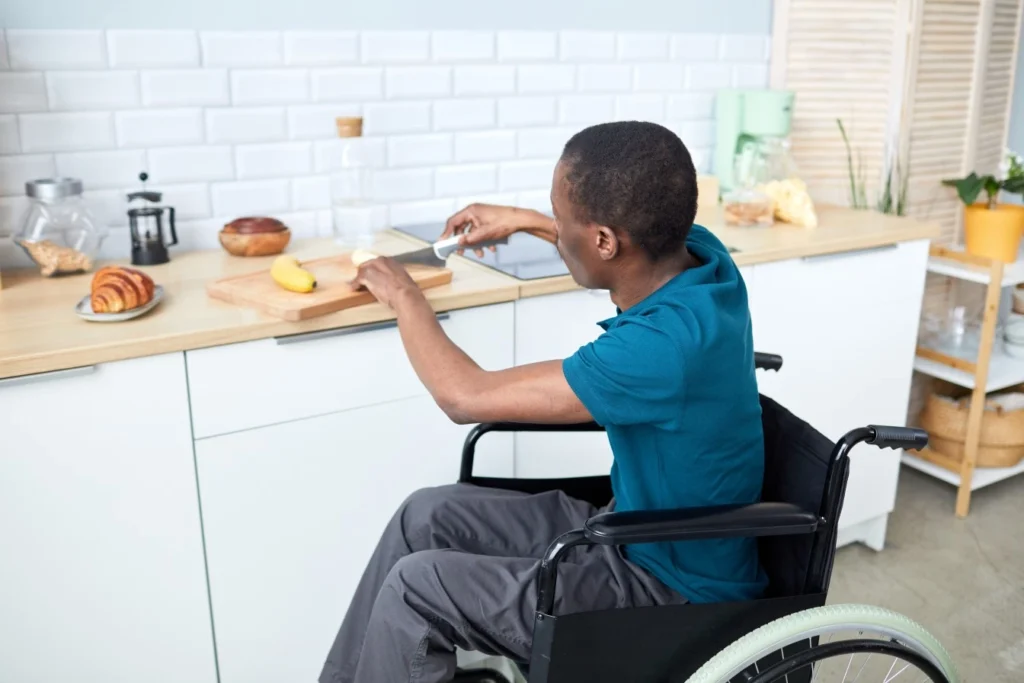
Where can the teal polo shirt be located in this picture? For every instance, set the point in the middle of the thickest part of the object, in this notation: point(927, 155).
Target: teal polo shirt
point(672, 381)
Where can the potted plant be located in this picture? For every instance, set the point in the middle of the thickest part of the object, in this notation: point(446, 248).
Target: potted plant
point(991, 228)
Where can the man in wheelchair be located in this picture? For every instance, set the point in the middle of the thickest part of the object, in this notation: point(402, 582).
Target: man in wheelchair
point(671, 379)
point(647, 574)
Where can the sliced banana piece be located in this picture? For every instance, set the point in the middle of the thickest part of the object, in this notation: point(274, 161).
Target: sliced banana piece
point(361, 256)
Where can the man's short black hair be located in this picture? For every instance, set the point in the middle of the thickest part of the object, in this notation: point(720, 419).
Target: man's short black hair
point(637, 177)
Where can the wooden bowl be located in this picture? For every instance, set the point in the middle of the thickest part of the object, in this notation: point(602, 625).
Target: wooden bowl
point(255, 236)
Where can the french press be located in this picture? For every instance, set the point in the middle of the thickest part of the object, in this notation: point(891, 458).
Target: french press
point(146, 226)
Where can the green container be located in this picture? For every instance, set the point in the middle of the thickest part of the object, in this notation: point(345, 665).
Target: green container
point(761, 113)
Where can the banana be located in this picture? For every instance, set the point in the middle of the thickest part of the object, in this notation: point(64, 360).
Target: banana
point(361, 256)
point(289, 273)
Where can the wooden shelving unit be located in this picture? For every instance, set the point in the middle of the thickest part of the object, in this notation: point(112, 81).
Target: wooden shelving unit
point(989, 371)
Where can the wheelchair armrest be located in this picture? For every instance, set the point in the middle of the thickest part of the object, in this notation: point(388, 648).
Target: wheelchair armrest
point(726, 521)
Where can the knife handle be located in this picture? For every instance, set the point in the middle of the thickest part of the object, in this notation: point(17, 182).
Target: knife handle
point(444, 248)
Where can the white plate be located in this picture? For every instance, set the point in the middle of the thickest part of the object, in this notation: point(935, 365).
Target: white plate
point(84, 309)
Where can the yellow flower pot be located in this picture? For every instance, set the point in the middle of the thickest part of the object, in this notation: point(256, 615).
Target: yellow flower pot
point(994, 233)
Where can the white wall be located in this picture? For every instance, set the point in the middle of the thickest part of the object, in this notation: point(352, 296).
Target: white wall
point(240, 122)
point(688, 16)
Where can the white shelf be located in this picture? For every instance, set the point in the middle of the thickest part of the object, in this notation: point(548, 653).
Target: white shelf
point(1013, 273)
point(983, 476)
point(1003, 371)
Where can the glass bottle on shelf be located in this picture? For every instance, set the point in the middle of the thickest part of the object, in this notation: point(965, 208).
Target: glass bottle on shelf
point(354, 217)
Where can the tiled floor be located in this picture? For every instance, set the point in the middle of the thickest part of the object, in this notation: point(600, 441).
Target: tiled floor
point(961, 579)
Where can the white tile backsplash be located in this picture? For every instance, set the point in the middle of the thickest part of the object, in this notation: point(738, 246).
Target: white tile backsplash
point(278, 160)
point(159, 127)
point(102, 170)
point(467, 179)
point(185, 88)
point(320, 48)
point(417, 82)
point(67, 131)
point(462, 46)
point(514, 112)
point(182, 164)
point(233, 122)
point(464, 114)
point(311, 192)
point(76, 90)
point(549, 78)
point(586, 109)
point(605, 78)
point(242, 48)
point(489, 145)
point(348, 84)
point(152, 49)
point(56, 49)
point(9, 141)
point(586, 46)
point(527, 46)
point(251, 197)
point(395, 47)
point(419, 150)
point(15, 171)
point(22, 92)
point(642, 47)
point(484, 80)
point(252, 124)
point(269, 86)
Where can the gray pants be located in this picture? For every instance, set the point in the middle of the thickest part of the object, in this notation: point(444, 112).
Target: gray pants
point(456, 567)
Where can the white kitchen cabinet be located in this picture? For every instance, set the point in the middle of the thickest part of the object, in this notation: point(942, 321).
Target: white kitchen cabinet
point(101, 566)
point(267, 381)
point(292, 513)
point(553, 327)
point(846, 327)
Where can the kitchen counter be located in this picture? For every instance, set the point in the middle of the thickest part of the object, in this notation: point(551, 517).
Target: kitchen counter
point(39, 331)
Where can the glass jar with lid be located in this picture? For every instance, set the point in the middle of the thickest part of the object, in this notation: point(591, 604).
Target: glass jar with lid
point(746, 205)
point(355, 217)
point(58, 231)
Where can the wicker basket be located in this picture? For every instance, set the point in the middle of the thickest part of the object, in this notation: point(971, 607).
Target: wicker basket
point(1002, 431)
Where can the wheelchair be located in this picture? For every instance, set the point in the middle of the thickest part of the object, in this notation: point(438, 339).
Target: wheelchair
point(789, 635)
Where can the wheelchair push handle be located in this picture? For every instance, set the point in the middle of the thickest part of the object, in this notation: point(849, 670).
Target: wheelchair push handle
point(907, 438)
point(767, 361)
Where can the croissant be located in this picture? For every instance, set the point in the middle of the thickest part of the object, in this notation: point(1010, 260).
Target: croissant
point(116, 289)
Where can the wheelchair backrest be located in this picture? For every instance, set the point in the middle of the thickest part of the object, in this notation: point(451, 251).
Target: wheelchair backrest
point(796, 471)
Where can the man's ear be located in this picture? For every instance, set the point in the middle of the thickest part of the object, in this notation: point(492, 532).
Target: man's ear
point(608, 244)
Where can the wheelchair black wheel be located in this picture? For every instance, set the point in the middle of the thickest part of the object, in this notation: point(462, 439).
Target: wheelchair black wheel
point(839, 644)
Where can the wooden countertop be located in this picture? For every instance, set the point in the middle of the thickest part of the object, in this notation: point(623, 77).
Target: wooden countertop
point(39, 331)
point(839, 229)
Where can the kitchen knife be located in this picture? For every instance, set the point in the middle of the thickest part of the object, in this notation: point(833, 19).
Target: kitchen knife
point(437, 254)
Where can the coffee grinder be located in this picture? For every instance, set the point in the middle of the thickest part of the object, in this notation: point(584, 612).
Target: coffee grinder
point(147, 229)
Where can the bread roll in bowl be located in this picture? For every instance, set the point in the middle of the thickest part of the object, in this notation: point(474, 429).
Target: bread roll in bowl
point(255, 236)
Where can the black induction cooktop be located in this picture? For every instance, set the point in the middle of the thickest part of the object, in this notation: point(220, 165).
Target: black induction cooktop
point(524, 257)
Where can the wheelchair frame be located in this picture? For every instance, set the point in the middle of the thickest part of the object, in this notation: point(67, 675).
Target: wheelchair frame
point(698, 631)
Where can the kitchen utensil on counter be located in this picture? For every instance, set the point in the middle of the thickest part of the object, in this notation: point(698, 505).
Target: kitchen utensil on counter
point(58, 231)
point(332, 293)
point(747, 114)
point(437, 254)
point(255, 236)
point(149, 248)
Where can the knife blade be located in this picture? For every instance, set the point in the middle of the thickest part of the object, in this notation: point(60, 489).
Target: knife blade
point(437, 254)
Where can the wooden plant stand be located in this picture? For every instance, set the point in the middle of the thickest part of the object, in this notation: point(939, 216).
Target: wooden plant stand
point(988, 372)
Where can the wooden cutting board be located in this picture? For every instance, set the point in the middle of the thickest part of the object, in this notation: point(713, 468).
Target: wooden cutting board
point(332, 293)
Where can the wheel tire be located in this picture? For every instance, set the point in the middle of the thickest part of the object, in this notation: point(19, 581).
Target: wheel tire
point(819, 621)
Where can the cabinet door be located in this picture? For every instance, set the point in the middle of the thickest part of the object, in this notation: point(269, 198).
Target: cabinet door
point(846, 327)
point(292, 513)
point(553, 327)
point(102, 568)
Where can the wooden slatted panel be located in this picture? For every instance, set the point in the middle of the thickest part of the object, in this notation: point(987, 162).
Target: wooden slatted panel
point(1000, 55)
point(939, 108)
point(839, 60)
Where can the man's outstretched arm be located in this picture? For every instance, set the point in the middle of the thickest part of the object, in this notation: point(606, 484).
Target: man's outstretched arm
point(466, 392)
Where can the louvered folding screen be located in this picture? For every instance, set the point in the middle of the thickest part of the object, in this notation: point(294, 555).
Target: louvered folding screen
point(838, 57)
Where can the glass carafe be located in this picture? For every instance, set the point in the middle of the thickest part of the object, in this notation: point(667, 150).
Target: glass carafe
point(355, 219)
